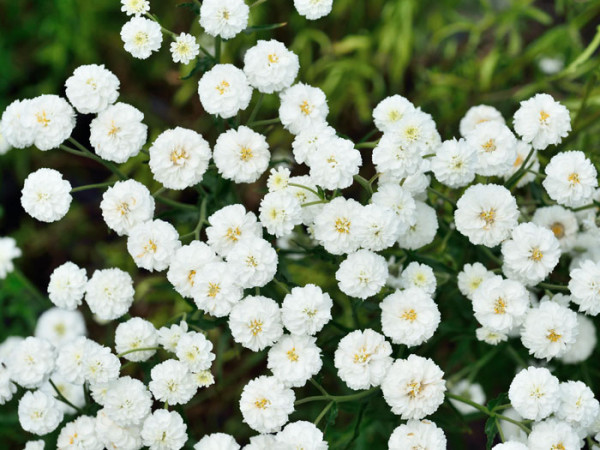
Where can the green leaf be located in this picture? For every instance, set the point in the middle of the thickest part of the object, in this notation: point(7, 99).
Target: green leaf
point(258, 28)
point(491, 429)
point(333, 413)
point(502, 399)
point(202, 65)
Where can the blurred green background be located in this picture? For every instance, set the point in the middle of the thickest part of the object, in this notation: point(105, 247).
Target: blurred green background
point(445, 56)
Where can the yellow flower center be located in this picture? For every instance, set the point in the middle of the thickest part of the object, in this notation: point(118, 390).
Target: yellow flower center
point(273, 58)
point(409, 315)
point(415, 388)
point(342, 225)
point(246, 154)
point(310, 312)
point(292, 355)
point(361, 357)
point(113, 129)
point(394, 115)
point(177, 155)
point(191, 276)
point(536, 254)
point(411, 133)
point(544, 117)
point(42, 118)
point(553, 336)
point(213, 289)
point(60, 329)
point(573, 179)
point(489, 146)
point(489, 217)
point(500, 306)
point(140, 39)
point(558, 229)
point(233, 234)
point(225, 14)
point(251, 261)
point(255, 326)
point(305, 108)
point(222, 87)
point(518, 161)
point(263, 403)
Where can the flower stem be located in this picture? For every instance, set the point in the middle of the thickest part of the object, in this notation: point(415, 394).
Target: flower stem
point(63, 399)
point(338, 398)
point(256, 108)
point(360, 145)
point(93, 186)
point(264, 122)
point(301, 186)
point(323, 412)
point(141, 349)
point(314, 203)
point(218, 49)
point(442, 196)
point(175, 204)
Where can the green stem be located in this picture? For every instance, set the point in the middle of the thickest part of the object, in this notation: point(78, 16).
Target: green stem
point(514, 179)
point(63, 399)
point(361, 145)
point(364, 183)
point(282, 285)
point(29, 285)
point(256, 108)
point(166, 31)
point(338, 398)
point(556, 287)
point(516, 422)
point(323, 412)
point(141, 349)
point(584, 56)
point(202, 219)
point(301, 186)
point(264, 122)
point(318, 386)
point(159, 191)
point(88, 154)
point(442, 196)
point(93, 186)
point(257, 2)
point(314, 203)
point(175, 204)
point(469, 402)
point(500, 432)
point(218, 49)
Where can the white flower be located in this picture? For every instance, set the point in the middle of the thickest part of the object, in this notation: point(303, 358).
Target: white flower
point(15, 125)
point(186, 263)
point(362, 274)
point(420, 276)
point(313, 9)
point(390, 111)
point(141, 37)
point(305, 196)
point(363, 359)
point(52, 121)
point(486, 214)
point(415, 184)
point(109, 293)
point(500, 304)
point(179, 158)
point(378, 227)
point(46, 195)
point(254, 261)
point(72, 392)
point(306, 310)
point(302, 107)
point(266, 404)
point(59, 326)
point(92, 88)
point(34, 445)
point(561, 221)
point(8, 252)
point(423, 230)
point(533, 165)
point(113, 435)
point(414, 387)
point(334, 164)
point(417, 434)
point(168, 337)
point(280, 212)
point(534, 393)
point(530, 254)
point(270, 66)
point(79, 434)
point(152, 244)
point(477, 115)
point(99, 365)
point(7, 387)
point(135, 7)
point(69, 363)
point(172, 383)
point(203, 378)
point(490, 336)
point(335, 226)
point(217, 441)
point(39, 413)
point(510, 445)
point(4, 145)
point(409, 317)
point(224, 89)
point(309, 140)
point(242, 155)
point(542, 121)
point(393, 155)
point(471, 277)
point(135, 334)
point(553, 433)
point(224, 18)
point(279, 178)
point(67, 285)
point(302, 434)
point(125, 205)
point(470, 391)
point(261, 442)
point(228, 226)
point(584, 344)
point(400, 201)
point(571, 179)
point(117, 133)
point(585, 287)
point(216, 289)
point(578, 407)
point(294, 359)
point(255, 322)
point(164, 430)
point(454, 163)
point(184, 48)
point(496, 148)
point(31, 362)
point(127, 401)
point(195, 351)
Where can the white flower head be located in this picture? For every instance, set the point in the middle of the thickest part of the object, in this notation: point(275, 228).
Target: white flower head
point(490, 336)
point(477, 115)
point(242, 155)
point(469, 390)
point(496, 148)
point(8, 252)
point(67, 285)
point(132, 336)
point(500, 304)
point(184, 48)
point(553, 433)
point(378, 227)
point(294, 359)
point(534, 393)
point(15, 127)
point(571, 179)
point(363, 359)
point(390, 111)
point(420, 276)
point(39, 413)
point(270, 66)
point(400, 201)
point(585, 287)
point(31, 362)
point(216, 289)
point(585, 342)
point(168, 337)
point(561, 221)
point(195, 351)
point(217, 441)
point(362, 274)
point(313, 9)
point(92, 88)
point(228, 226)
point(279, 178)
point(414, 387)
point(309, 140)
point(409, 317)
point(542, 121)
point(98, 364)
point(395, 157)
point(417, 434)
point(254, 261)
point(335, 226)
point(109, 293)
point(302, 107)
point(454, 163)
point(59, 326)
point(117, 133)
point(280, 212)
point(46, 195)
point(125, 205)
point(179, 158)
point(470, 278)
point(423, 230)
point(255, 322)
point(302, 434)
point(135, 7)
point(164, 430)
point(306, 310)
point(266, 404)
point(334, 164)
point(52, 120)
point(141, 37)
point(115, 435)
point(224, 89)
point(172, 382)
point(224, 18)
point(533, 164)
point(79, 434)
point(152, 244)
point(186, 263)
point(127, 401)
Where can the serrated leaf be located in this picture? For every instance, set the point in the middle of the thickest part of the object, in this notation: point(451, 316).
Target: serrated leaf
point(257, 28)
point(491, 429)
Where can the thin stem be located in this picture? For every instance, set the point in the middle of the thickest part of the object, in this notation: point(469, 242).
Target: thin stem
point(556, 287)
point(218, 49)
point(257, 2)
point(141, 349)
point(361, 145)
point(469, 402)
point(88, 154)
point(516, 422)
point(166, 31)
point(202, 219)
point(323, 412)
point(301, 186)
point(338, 398)
point(500, 432)
point(63, 399)
point(442, 196)
point(314, 203)
point(256, 108)
point(364, 183)
point(93, 186)
point(264, 122)
point(159, 191)
point(175, 204)
point(318, 386)
point(514, 179)
point(282, 285)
